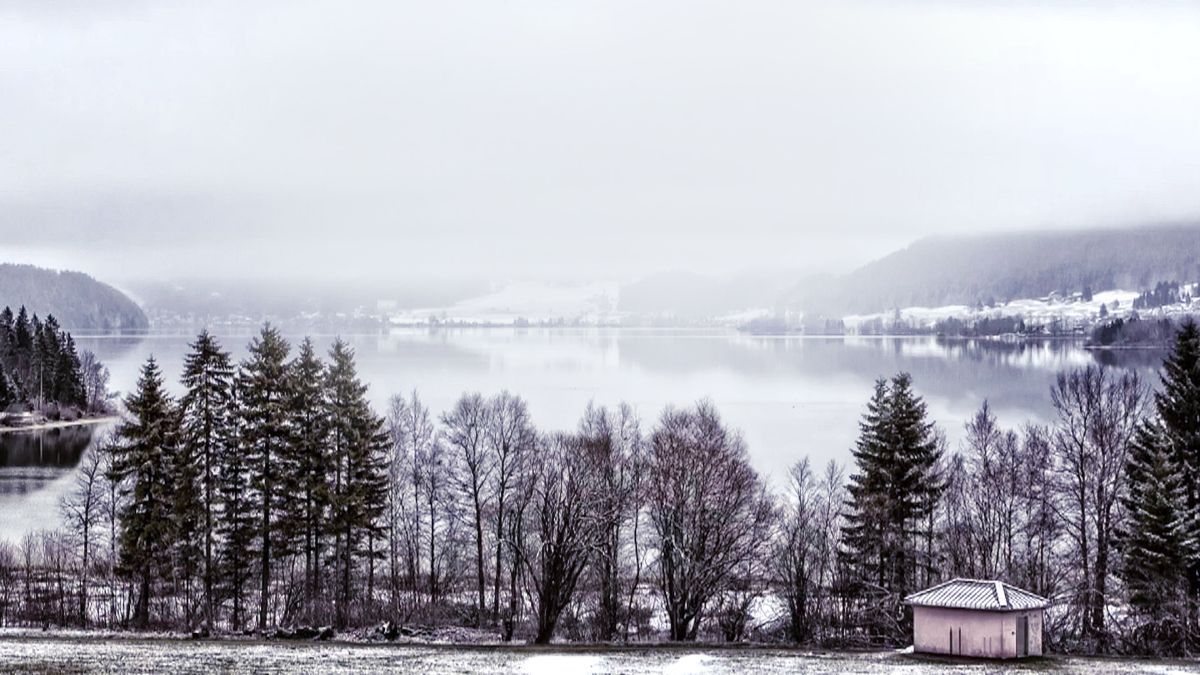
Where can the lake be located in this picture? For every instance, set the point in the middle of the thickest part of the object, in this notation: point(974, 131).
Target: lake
point(791, 396)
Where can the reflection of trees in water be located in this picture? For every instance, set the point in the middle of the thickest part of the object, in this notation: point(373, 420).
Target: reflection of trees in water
point(1013, 375)
point(1133, 359)
point(60, 447)
point(31, 459)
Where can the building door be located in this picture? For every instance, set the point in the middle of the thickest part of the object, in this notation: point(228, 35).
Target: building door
point(1022, 636)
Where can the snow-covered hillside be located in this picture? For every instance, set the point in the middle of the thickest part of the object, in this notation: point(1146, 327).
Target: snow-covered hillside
point(1068, 312)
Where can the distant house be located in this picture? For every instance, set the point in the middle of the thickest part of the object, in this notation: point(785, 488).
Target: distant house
point(970, 617)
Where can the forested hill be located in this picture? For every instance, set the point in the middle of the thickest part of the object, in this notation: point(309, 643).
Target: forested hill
point(76, 300)
point(943, 270)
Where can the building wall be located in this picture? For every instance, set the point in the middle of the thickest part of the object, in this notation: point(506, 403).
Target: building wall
point(984, 634)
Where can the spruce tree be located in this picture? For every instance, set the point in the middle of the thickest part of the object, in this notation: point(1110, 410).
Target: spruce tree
point(358, 445)
point(206, 419)
point(1177, 410)
point(7, 396)
point(68, 377)
point(264, 398)
point(237, 523)
point(8, 342)
point(917, 487)
point(142, 462)
point(307, 493)
point(1157, 544)
point(891, 495)
point(22, 352)
point(863, 533)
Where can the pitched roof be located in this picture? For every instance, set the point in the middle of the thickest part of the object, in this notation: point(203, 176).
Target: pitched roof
point(977, 594)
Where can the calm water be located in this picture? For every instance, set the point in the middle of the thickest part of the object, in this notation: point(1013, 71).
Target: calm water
point(791, 396)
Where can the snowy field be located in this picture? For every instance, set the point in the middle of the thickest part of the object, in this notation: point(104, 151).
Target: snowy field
point(129, 655)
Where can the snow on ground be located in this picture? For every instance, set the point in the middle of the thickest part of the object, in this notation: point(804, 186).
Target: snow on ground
point(1036, 311)
point(133, 655)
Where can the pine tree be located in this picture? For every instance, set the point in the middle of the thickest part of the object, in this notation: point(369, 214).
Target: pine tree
point(22, 352)
point(358, 444)
point(206, 418)
point(863, 534)
point(237, 524)
point(8, 342)
point(263, 385)
point(147, 439)
point(917, 488)
point(1177, 409)
point(892, 494)
point(7, 395)
point(68, 378)
point(1157, 544)
point(307, 492)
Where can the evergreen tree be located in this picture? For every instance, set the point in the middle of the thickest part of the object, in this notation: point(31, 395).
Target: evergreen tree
point(187, 516)
point(8, 342)
point(22, 351)
point(7, 395)
point(358, 445)
point(307, 492)
point(863, 533)
point(206, 418)
point(263, 388)
point(1177, 408)
point(68, 380)
point(1158, 544)
point(142, 463)
point(237, 524)
point(891, 496)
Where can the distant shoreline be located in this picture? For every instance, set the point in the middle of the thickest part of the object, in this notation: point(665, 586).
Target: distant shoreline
point(60, 424)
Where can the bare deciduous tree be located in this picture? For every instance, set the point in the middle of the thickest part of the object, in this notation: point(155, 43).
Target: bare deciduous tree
point(1098, 411)
point(465, 434)
point(561, 529)
point(710, 511)
point(82, 508)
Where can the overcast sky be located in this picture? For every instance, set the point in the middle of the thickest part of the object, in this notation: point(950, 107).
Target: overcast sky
point(396, 140)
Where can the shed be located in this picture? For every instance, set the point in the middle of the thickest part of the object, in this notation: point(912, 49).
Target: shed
point(973, 617)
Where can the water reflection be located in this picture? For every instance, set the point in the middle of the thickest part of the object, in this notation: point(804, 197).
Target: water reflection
point(36, 469)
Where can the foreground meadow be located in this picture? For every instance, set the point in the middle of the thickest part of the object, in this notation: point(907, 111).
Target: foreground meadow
point(114, 654)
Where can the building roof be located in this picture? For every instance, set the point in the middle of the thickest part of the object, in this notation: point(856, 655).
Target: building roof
point(977, 594)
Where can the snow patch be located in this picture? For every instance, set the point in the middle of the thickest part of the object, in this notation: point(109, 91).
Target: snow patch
point(691, 663)
point(560, 664)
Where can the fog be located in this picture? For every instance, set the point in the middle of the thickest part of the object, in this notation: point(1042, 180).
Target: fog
point(396, 141)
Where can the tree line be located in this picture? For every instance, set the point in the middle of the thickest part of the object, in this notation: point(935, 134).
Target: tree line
point(270, 497)
point(41, 367)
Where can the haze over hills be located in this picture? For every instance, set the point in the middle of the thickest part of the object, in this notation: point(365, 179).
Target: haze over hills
point(78, 301)
point(966, 270)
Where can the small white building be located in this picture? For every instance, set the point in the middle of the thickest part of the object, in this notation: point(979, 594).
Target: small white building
point(970, 617)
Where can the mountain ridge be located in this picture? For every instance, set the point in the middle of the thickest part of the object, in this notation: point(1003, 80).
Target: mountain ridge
point(941, 270)
point(77, 300)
